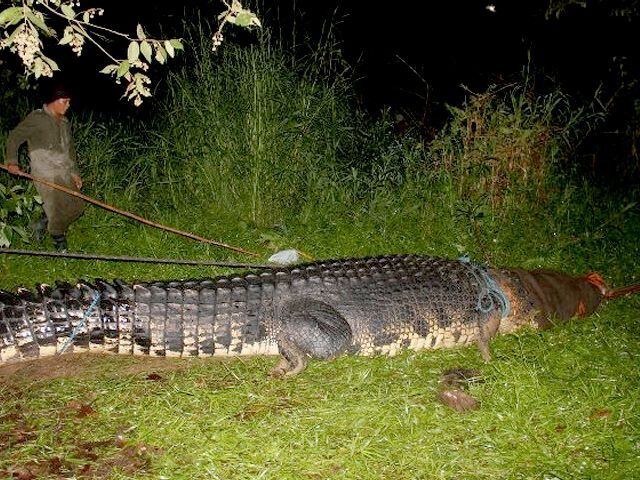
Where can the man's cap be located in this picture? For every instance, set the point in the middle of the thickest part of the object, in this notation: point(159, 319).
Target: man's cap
point(57, 91)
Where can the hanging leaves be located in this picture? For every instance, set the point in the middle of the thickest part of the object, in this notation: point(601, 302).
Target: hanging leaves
point(146, 50)
point(134, 52)
point(24, 40)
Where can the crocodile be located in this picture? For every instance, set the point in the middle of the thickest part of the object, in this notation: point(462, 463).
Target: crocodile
point(364, 306)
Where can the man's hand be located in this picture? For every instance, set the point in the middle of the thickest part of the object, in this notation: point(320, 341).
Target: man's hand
point(13, 168)
point(77, 181)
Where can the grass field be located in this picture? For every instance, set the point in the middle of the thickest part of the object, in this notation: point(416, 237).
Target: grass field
point(559, 404)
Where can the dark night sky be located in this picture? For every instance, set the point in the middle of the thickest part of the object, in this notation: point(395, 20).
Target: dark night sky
point(449, 43)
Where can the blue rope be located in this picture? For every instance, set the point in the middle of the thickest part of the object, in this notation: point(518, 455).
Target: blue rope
point(489, 290)
point(496, 294)
point(88, 311)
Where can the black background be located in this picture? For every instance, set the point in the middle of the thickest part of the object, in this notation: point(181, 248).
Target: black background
point(412, 56)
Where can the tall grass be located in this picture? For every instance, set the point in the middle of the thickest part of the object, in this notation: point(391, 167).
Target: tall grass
point(251, 146)
point(260, 137)
point(251, 132)
point(510, 139)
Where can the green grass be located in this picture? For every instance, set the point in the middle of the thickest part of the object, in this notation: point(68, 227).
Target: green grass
point(560, 404)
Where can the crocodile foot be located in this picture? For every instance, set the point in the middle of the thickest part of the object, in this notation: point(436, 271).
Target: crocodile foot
point(293, 360)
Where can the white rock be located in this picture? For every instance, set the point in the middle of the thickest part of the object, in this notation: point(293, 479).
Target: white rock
point(285, 257)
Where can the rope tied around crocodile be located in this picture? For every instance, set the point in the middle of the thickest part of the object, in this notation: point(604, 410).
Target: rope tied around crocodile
point(491, 296)
point(81, 324)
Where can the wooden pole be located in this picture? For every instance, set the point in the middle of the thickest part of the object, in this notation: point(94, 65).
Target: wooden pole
point(127, 214)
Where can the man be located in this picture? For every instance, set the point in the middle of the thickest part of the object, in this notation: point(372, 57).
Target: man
point(52, 158)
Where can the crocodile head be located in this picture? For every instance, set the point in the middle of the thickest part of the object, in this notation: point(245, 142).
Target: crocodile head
point(542, 298)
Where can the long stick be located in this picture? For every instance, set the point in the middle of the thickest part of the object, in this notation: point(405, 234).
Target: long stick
point(127, 214)
point(619, 292)
point(113, 258)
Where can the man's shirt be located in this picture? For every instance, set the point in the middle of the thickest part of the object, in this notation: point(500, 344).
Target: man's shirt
point(42, 131)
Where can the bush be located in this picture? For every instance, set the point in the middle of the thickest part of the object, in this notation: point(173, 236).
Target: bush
point(510, 140)
point(17, 205)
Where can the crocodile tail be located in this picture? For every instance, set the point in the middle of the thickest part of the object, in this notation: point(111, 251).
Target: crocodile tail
point(221, 316)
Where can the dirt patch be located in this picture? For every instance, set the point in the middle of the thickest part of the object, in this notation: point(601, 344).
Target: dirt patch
point(20, 431)
point(79, 364)
point(82, 409)
point(600, 414)
point(95, 460)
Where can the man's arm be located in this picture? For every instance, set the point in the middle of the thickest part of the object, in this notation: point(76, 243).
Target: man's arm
point(17, 137)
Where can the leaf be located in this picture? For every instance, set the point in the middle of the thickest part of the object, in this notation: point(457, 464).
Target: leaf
point(66, 38)
point(37, 68)
point(169, 47)
point(161, 54)
point(10, 205)
point(176, 44)
point(243, 19)
point(4, 240)
point(68, 11)
point(85, 410)
point(9, 39)
point(52, 64)
point(38, 21)
point(123, 69)
point(134, 52)
point(109, 69)
point(140, 32)
point(10, 15)
point(22, 232)
point(146, 50)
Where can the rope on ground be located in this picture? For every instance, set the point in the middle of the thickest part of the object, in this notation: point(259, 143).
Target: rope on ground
point(621, 292)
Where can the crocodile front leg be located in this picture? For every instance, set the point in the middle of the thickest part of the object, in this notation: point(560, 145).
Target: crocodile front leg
point(486, 332)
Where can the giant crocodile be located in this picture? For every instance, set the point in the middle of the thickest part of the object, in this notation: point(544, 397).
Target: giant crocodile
point(366, 306)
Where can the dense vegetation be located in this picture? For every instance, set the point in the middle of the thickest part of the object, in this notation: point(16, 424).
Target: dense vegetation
point(266, 152)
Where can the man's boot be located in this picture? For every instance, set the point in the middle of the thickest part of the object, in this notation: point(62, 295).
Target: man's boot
point(60, 242)
point(39, 228)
